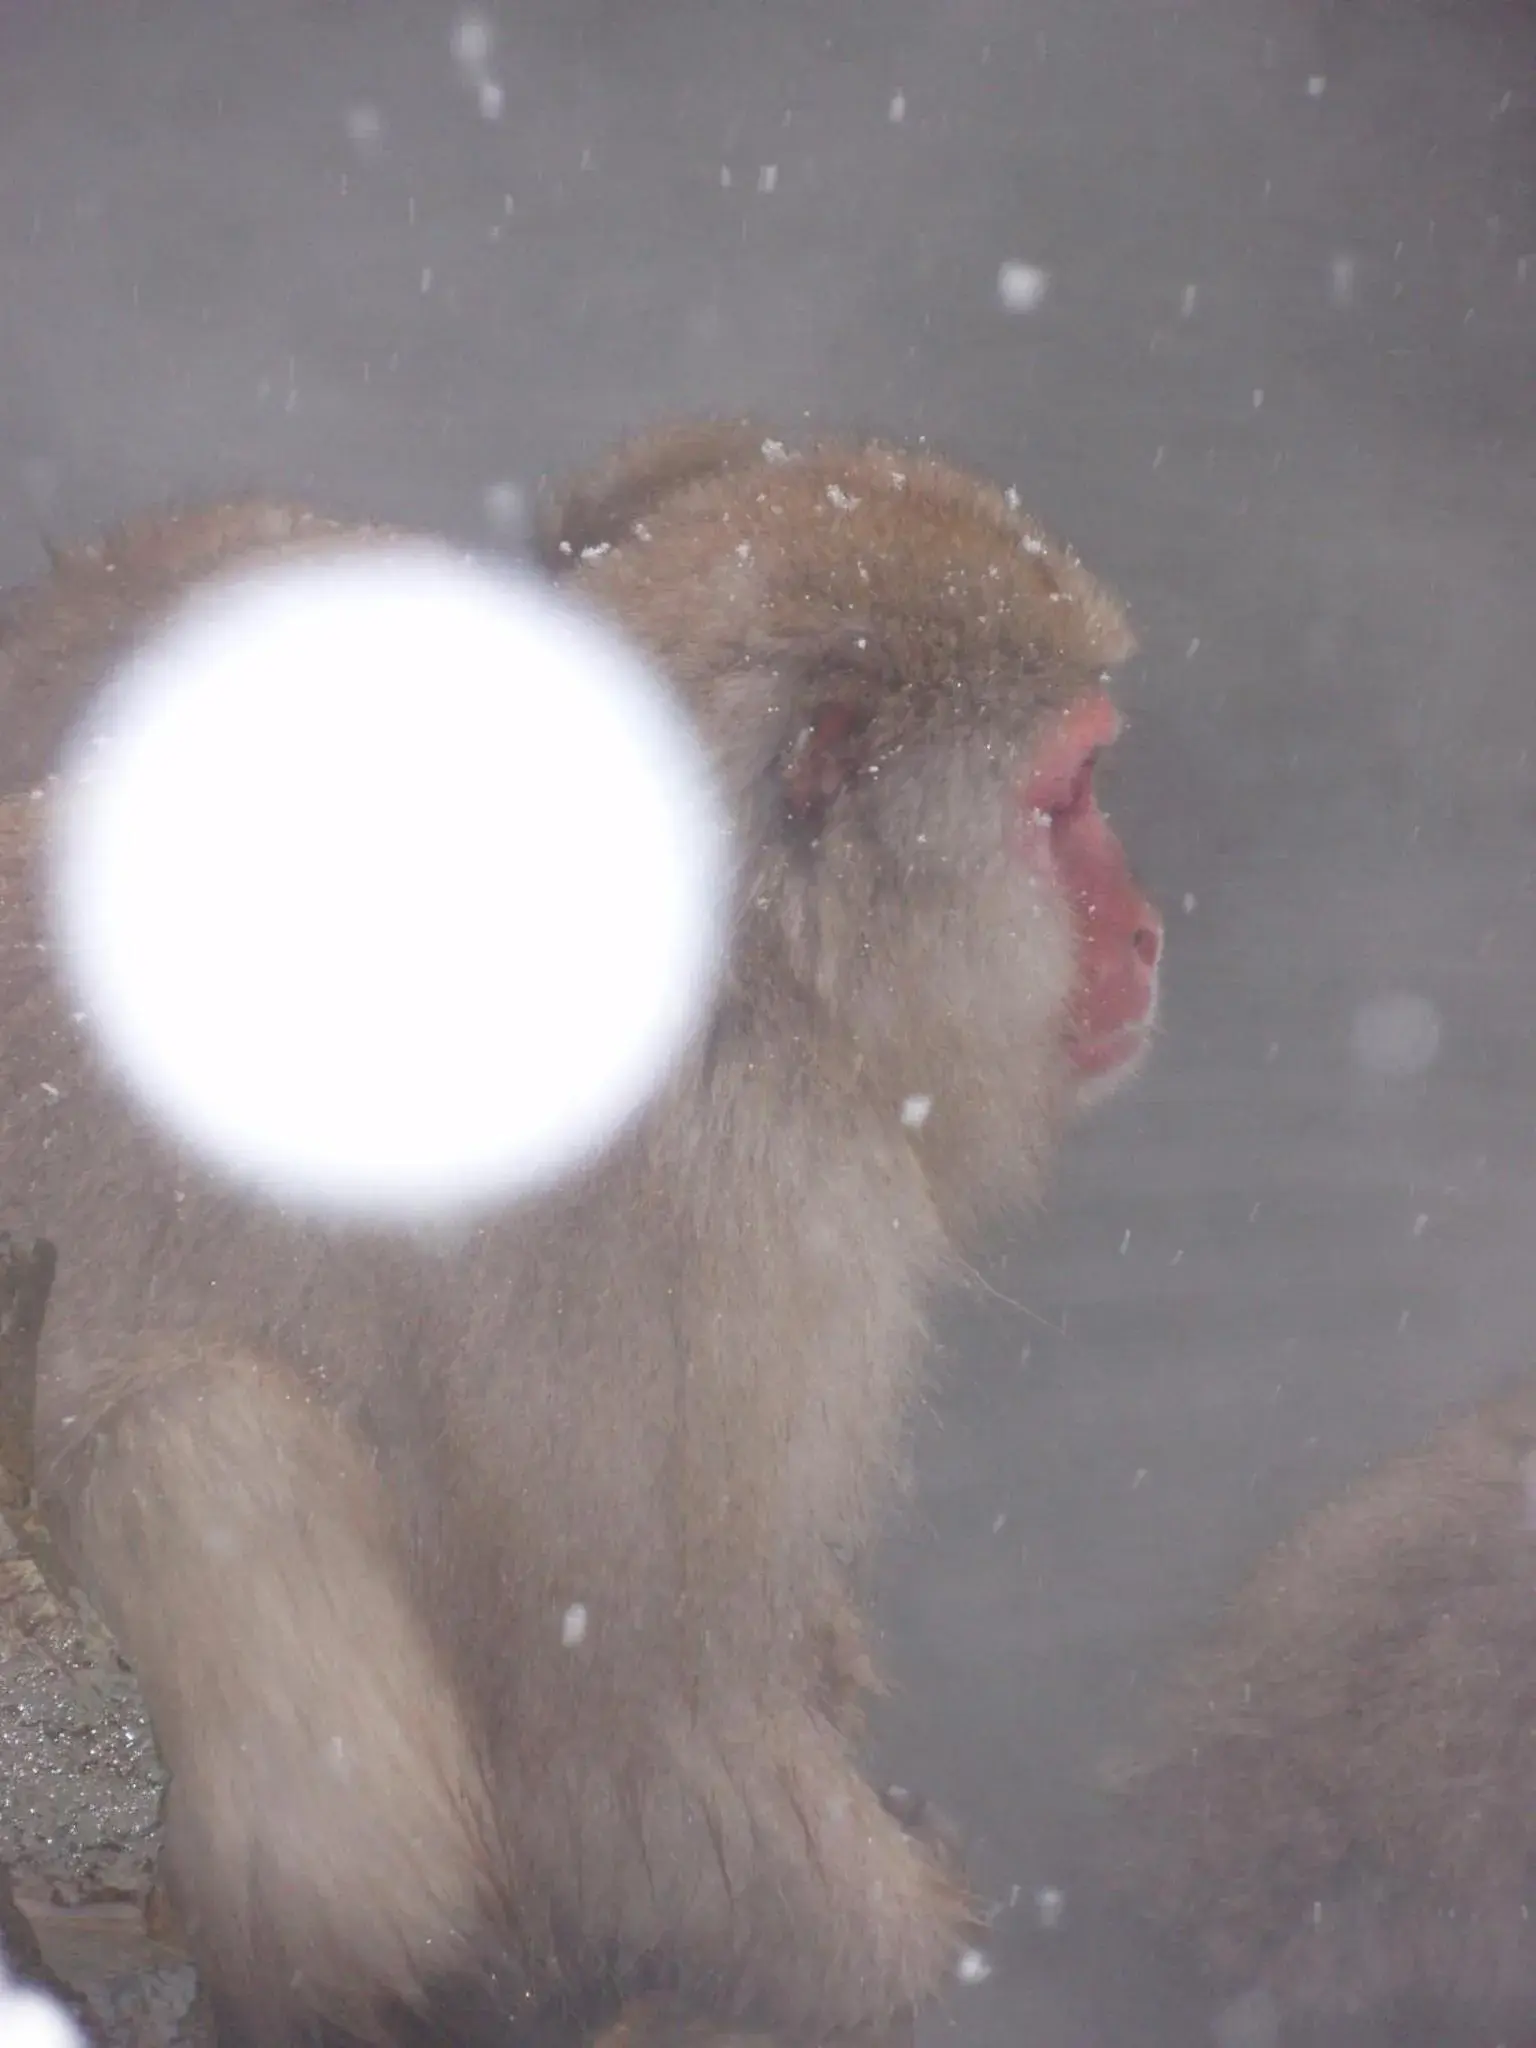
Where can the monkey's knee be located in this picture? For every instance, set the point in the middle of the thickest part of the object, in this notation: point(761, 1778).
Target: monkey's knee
point(326, 1823)
point(929, 1825)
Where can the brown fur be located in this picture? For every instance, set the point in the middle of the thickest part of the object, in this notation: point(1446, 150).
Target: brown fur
point(1339, 1799)
point(61, 633)
point(336, 1491)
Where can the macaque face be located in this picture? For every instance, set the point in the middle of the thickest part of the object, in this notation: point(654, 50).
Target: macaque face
point(1117, 930)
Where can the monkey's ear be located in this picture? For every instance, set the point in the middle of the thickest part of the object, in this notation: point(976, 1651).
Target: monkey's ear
point(822, 759)
point(601, 507)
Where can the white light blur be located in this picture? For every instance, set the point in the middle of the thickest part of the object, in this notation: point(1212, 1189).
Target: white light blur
point(31, 2019)
point(390, 882)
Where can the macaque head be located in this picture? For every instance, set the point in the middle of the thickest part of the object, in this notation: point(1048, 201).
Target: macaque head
point(904, 685)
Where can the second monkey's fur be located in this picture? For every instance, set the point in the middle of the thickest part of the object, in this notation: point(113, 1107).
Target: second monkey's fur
point(1337, 1800)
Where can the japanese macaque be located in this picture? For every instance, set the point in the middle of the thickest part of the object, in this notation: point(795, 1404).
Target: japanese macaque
point(1337, 1806)
point(495, 1603)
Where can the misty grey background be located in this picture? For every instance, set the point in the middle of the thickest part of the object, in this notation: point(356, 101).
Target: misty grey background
point(1280, 391)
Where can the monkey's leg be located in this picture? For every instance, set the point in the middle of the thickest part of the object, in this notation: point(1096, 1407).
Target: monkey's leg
point(326, 1836)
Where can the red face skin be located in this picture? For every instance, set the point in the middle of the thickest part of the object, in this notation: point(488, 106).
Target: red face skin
point(1119, 931)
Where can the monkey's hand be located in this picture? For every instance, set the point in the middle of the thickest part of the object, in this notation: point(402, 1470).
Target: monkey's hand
point(847, 1678)
point(928, 1824)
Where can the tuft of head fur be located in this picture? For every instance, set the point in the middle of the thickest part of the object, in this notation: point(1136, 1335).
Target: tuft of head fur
point(1337, 1796)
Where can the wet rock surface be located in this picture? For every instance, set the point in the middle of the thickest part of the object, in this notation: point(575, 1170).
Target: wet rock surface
point(80, 1788)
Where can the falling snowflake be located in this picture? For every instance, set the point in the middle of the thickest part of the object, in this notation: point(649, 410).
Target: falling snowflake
point(1341, 280)
point(1022, 286)
point(573, 1626)
point(365, 127)
point(506, 507)
point(472, 41)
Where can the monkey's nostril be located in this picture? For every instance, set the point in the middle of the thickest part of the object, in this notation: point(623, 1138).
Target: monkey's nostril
point(1147, 944)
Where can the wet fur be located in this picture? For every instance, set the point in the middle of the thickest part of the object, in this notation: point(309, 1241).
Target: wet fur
point(1338, 1797)
point(336, 1492)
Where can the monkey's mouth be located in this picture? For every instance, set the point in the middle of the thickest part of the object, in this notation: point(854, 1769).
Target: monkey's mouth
point(1105, 1054)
